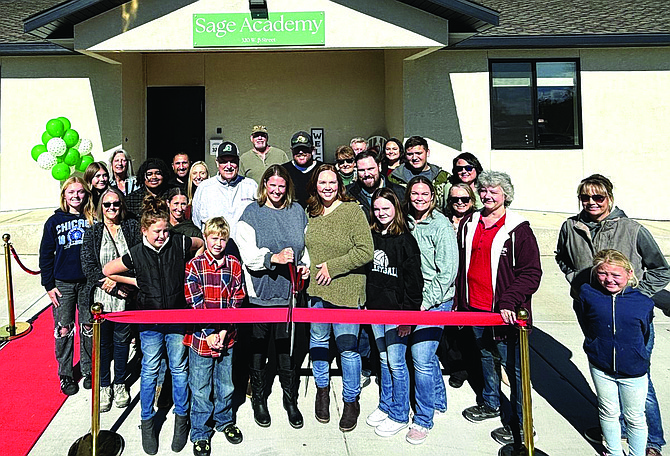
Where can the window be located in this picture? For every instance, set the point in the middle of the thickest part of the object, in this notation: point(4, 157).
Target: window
point(535, 104)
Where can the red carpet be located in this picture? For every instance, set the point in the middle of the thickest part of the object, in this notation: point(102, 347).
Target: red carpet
point(30, 388)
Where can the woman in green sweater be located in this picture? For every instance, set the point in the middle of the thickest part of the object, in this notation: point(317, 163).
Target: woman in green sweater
point(339, 242)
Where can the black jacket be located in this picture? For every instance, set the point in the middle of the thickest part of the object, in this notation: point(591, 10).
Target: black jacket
point(356, 190)
point(160, 275)
point(90, 253)
point(394, 278)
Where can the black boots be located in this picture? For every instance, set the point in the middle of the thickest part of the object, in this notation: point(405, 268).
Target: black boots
point(322, 404)
point(259, 402)
point(149, 440)
point(289, 384)
point(181, 430)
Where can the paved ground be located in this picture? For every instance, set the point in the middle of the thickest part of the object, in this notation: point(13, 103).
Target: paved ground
point(563, 399)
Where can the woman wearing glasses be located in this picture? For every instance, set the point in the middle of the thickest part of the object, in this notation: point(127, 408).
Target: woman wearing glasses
point(466, 169)
point(460, 203)
point(108, 239)
point(345, 164)
point(601, 225)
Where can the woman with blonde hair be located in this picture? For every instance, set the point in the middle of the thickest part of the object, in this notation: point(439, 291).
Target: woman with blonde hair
point(198, 173)
point(122, 176)
point(616, 320)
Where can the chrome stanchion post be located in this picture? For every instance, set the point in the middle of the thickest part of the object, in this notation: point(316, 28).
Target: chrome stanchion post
point(14, 329)
point(97, 443)
point(526, 401)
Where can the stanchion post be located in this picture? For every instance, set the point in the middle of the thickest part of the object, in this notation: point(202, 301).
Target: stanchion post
point(13, 330)
point(97, 443)
point(526, 401)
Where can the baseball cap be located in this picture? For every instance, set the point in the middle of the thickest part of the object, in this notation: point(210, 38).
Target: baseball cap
point(227, 149)
point(259, 129)
point(301, 139)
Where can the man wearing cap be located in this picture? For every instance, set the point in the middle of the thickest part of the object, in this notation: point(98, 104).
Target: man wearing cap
point(303, 164)
point(225, 195)
point(256, 160)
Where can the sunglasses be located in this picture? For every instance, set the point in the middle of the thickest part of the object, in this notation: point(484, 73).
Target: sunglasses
point(107, 205)
point(467, 168)
point(596, 198)
point(345, 160)
point(462, 199)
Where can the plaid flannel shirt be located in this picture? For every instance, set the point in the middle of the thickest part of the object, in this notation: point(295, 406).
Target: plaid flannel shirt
point(210, 286)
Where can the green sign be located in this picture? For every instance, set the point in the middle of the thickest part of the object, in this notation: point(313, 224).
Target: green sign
point(239, 29)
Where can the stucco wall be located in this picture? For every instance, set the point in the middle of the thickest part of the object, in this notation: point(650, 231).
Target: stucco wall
point(341, 92)
point(624, 108)
point(34, 90)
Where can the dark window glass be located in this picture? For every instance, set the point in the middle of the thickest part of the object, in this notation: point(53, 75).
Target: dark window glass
point(534, 104)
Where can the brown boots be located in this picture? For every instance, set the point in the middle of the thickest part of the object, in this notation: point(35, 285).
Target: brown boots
point(350, 416)
point(322, 404)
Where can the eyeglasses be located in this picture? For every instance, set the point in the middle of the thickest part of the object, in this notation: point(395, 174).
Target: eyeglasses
point(461, 199)
point(467, 168)
point(153, 174)
point(596, 198)
point(109, 204)
point(342, 161)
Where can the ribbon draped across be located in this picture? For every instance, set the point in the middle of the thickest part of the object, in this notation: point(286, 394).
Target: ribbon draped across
point(302, 315)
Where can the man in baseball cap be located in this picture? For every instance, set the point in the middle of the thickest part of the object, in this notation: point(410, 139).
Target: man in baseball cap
point(226, 194)
point(303, 164)
point(261, 156)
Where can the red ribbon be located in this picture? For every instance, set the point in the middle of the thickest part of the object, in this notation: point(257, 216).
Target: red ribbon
point(301, 315)
point(18, 261)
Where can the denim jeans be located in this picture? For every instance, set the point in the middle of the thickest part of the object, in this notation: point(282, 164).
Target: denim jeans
point(430, 393)
point(155, 340)
point(346, 338)
point(632, 393)
point(205, 374)
point(114, 344)
point(394, 394)
point(64, 317)
point(506, 353)
point(651, 409)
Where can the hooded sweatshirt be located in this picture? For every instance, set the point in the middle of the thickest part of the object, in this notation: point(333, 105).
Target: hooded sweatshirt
point(61, 247)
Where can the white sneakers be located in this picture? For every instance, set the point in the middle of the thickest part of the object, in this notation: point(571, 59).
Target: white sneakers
point(388, 427)
point(121, 396)
point(105, 398)
point(417, 434)
point(375, 418)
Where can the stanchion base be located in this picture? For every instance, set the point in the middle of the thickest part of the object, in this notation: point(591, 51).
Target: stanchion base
point(509, 450)
point(21, 328)
point(109, 444)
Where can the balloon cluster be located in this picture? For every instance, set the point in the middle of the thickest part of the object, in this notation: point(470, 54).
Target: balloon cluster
point(62, 151)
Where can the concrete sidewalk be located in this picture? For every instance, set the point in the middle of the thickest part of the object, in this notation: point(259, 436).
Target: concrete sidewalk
point(563, 398)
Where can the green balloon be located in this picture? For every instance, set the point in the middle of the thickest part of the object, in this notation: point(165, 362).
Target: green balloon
point(37, 151)
point(60, 171)
point(66, 123)
point(71, 138)
point(55, 128)
point(46, 137)
point(85, 161)
point(71, 157)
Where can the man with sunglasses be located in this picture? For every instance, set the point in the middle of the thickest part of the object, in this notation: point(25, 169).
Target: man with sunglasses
point(261, 156)
point(225, 195)
point(416, 164)
point(601, 225)
point(303, 164)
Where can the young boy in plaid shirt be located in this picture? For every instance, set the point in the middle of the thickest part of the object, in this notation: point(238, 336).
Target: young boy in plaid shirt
point(213, 281)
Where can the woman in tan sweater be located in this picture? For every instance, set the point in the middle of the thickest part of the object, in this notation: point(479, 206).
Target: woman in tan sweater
point(339, 243)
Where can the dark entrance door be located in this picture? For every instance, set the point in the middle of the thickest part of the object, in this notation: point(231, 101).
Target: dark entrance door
point(176, 122)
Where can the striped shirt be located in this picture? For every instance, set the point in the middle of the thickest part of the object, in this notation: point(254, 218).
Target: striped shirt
point(210, 285)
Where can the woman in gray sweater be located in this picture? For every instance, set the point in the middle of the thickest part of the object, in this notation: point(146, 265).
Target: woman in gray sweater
point(271, 237)
point(340, 243)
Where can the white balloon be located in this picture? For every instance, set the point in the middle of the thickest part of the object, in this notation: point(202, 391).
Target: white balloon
point(56, 147)
point(46, 160)
point(85, 147)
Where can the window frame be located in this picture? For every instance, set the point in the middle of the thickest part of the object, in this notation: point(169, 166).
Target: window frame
point(535, 102)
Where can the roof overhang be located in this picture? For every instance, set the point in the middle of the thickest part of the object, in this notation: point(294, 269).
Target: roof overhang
point(564, 41)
